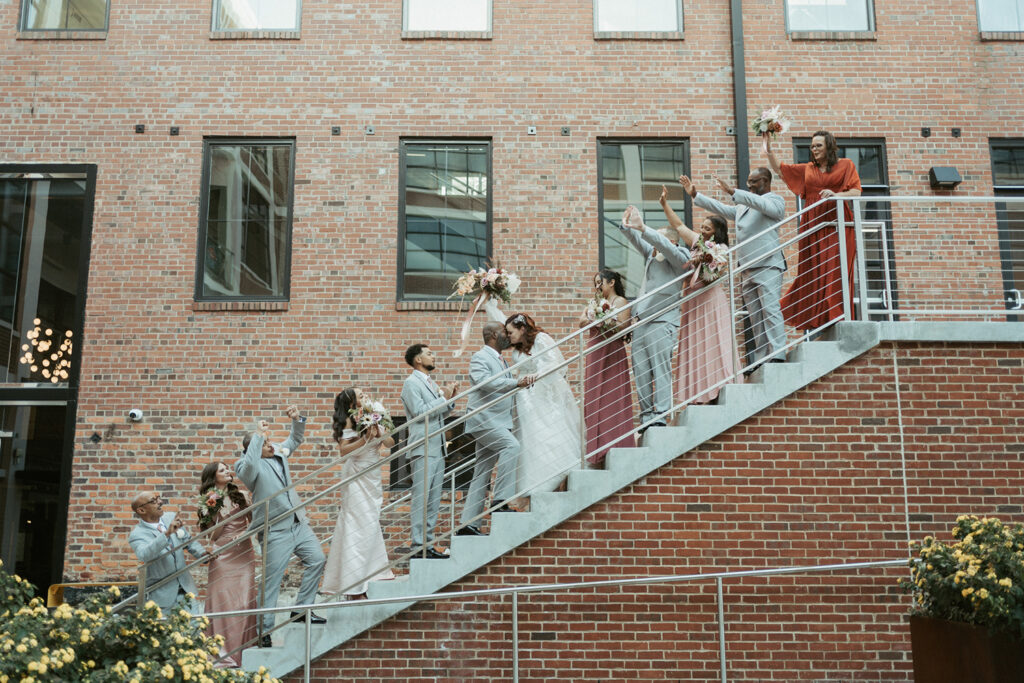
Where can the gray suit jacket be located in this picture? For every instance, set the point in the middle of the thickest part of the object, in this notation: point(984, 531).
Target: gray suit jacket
point(419, 397)
point(264, 480)
point(659, 273)
point(151, 546)
point(484, 364)
point(753, 215)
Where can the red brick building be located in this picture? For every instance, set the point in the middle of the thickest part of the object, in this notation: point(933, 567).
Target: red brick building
point(238, 206)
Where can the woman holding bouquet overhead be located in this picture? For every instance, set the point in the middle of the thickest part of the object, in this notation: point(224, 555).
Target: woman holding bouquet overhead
point(816, 296)
point(231, 583)
point(358, 554)
point(707, 353)
point(607, 395)
point(547, 422)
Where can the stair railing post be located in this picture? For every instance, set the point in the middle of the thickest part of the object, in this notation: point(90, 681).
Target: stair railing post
point(732, 315)
point(515, 637)
point(844, 270)
point(263, 563)
point(141, 597)
point(721, 628)
point(583, 403)
point(426, 480)
point(858, 258)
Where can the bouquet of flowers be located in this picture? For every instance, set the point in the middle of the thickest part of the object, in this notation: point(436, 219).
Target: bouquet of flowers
point(493, 281)
point(771, 122)
point(710, 260)
point(371, 413)
point(598, 308)
point(210, 503)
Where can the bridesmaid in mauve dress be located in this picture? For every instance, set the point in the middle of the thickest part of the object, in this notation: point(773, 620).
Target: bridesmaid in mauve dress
point(707, 355)
point(358, 554)
point(231, 584)
point(607, 395)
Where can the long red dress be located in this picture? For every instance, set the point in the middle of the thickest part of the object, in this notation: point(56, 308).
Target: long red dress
point(816, 296)
point(607, 398)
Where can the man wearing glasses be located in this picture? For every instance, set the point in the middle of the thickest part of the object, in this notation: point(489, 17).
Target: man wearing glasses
point(160, 540)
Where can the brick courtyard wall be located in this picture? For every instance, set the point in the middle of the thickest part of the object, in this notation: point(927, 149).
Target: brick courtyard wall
point(203, 377)
point(816, 479)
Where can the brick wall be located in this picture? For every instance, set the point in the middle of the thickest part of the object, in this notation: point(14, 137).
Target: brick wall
point(815, 479)
point(203, 377)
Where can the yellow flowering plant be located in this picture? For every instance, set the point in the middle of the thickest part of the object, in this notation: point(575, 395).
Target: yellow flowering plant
point(977, 579)
point(91, 644)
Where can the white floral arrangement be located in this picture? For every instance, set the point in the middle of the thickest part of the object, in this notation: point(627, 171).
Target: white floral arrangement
point(598, 308)
point(711, 258)
point(494, 281)
point(372, 413)
point(771, 122)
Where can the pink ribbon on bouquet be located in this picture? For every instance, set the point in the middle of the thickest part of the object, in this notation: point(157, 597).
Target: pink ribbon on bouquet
point(479, 301)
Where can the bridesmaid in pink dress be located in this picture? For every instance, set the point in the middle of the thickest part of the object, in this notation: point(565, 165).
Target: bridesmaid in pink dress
point(231, 583)
point(707, 355)
point(607, 395)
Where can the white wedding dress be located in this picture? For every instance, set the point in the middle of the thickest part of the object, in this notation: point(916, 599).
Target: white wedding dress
point(358, 554)
point(547, 417)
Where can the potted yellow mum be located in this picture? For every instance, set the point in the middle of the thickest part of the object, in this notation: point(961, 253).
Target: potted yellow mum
point(967, 622)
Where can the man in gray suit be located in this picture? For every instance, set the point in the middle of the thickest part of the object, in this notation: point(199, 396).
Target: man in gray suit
point(159, 540)
point(420, 395)
point(756, 213)
point(491, 428)
point(656, 335)
point(264, 470)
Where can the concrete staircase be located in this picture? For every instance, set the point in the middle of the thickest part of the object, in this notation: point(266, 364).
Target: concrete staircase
point(806, 363)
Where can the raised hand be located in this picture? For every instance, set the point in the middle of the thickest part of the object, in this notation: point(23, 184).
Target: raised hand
point(663, 199)
point(631, 218)
point(451, 389)
point(292, 412)
point(688, 185)
point(264, 427)
point(726, 187)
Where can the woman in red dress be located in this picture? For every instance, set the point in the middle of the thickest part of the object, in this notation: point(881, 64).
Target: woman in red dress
point(816, 296)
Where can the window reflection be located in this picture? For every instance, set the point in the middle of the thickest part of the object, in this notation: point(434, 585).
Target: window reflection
point(1001, 15)
point(250, 15)
point(64, 15)
point(829, 15)
point(638, 15)
point(446, 214)
point(447, 15)
point(248, 219)
point(633, 173)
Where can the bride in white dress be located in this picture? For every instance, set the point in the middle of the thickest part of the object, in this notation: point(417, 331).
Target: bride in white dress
point(358, 554)
point(547, 420)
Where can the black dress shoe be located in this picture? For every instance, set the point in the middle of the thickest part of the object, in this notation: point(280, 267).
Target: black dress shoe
point(432, 554)
point(505, 508)
point(469, 531)
point(265, 642)
point(300, 617)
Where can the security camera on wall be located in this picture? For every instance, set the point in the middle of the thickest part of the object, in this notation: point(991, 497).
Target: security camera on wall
point(134, 415)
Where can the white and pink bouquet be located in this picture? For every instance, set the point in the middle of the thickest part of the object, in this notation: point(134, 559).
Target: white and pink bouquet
point(493, 281)
point(372, 413)
point(598, 308)
point(771, 122)
point(710, 259)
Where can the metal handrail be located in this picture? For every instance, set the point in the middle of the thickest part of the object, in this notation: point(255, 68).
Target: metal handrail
point(414, 444)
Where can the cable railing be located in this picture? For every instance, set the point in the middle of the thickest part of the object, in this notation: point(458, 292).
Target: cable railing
point(570, 364)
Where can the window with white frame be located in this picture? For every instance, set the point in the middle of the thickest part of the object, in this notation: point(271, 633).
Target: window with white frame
point(1001, 16)
point(256, 15)
point(446, 15)
point(634, 16)
point(64, 15)
point(829, 15)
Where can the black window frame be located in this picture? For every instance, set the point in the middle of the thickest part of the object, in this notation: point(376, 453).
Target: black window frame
point(687, 210)
point(869, 190)
point(23, 15)
point(204, 199)
point(401, 260)
point(215, 5)
point(1006, 246)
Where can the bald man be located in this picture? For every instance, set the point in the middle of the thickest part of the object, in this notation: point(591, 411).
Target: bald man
point(159, 540)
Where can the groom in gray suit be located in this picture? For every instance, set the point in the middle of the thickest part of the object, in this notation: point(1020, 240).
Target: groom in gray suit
point(657, 333)
point(756, 213)
point(420, 395)
point(264, 470)
point(491, 428)
point(159, 540)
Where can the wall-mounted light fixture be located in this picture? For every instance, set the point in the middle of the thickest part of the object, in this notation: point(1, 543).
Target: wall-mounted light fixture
point(944, 177)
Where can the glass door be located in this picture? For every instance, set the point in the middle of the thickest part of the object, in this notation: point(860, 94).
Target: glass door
point(45, 226)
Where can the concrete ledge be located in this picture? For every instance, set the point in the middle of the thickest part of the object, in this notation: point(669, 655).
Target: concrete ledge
point(952, 331)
